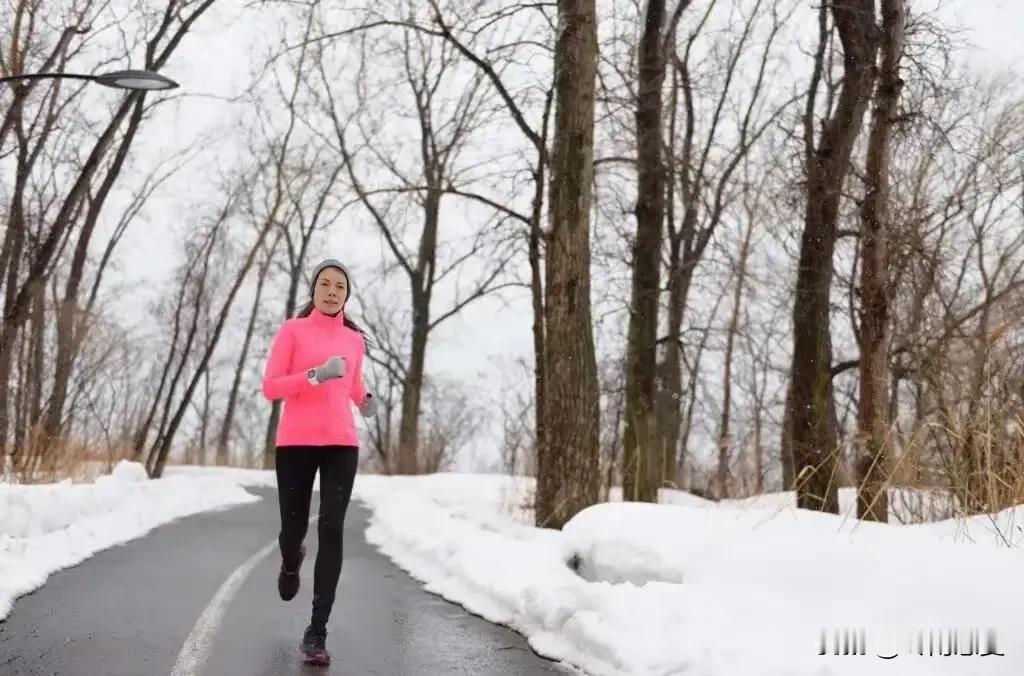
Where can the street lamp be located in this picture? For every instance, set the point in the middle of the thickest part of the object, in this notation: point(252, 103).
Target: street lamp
point(121, 79)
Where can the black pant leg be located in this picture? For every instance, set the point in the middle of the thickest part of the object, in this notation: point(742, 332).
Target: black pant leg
point(337, 476)
point(296, 469)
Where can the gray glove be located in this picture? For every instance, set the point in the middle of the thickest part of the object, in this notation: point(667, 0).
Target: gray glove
point(331, 369)
point(369, 406)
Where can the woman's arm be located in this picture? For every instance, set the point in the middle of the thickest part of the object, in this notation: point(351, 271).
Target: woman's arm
point(358, 387)
point(278, 383)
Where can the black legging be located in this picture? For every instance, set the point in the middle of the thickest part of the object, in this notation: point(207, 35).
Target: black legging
point(296, 469)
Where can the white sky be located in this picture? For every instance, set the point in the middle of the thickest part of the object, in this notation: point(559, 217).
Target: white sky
point(215, 61)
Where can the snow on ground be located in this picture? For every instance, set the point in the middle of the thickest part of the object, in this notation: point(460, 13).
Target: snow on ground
point(253, 478)
point(690, 586)
point(906, 505)
point(699, 588)
point(47, 527)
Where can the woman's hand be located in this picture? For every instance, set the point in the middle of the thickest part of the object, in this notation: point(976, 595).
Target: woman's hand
point(331, 369)
point(369, 406)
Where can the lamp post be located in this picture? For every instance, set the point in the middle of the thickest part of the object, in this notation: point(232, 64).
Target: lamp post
point(138, 80)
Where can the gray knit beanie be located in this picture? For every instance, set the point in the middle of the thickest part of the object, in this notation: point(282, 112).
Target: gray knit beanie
point(330, 263)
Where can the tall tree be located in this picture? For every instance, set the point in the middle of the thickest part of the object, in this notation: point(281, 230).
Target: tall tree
point(169, 28)
point(445, 127)
point(568, 477)
point(68, 315)
point(223, 439)
point(812, 430)
point(725, 435)
point(164, 442)
point(706, 146)
point(642, 466)
point(537, 137)
point(873, 409)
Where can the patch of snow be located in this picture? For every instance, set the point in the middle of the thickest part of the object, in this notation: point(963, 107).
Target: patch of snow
point(45, 528)
point(706, 588)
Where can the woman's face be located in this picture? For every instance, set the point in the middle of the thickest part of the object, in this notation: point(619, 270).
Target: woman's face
point(330, 291)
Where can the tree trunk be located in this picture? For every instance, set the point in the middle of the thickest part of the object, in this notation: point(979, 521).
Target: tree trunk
point(692, 388)
point(724, 433)
point(536, 237)
point(14, 245)
point(786, 442)
point(236, 384)
point(642, 459)
point(21, 394)
point(168, 437)
point(152, 459)
point(67, 318)
point(873, 414)
point(813, 427)
point(670, 378)
point(569, 477)
point(422, 285)
point(536, 240)
point(141, 436)
point(270, 444)
point(204, 425)
point(38, 357)
point(412, 388)
point(758, 454)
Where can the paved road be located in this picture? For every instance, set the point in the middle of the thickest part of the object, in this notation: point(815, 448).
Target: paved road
point(129, 610)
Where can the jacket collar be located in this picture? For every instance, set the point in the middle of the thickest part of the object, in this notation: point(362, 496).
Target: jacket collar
point(321, 319)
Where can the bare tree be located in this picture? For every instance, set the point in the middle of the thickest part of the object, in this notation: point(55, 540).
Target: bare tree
point(67, 316)
point(168, 30)
point(873, 418)
point(452, 418)
point(725, 435)
point(444, 128)
point(812, 432)
point(168, 374)
point(705, 151)
point(568, 479)
point(495, 61)
point(957, 298)
point(192, 302)
point(514, 401)
point(642, 466)
point(227, 425)
point(162, 447)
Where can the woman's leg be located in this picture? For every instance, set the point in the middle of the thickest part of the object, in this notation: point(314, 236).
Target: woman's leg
point(296, 469)
point(337, 475)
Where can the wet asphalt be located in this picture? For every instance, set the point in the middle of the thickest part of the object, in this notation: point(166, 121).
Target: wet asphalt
point(128, 610)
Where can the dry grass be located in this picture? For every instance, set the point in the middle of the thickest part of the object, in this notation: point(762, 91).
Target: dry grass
point(968, 465)
point(39, 462)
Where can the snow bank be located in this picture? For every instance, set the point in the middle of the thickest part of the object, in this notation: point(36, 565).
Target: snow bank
point(906, 505)
point(251, 478)
point(703, 588)
point(47, 527)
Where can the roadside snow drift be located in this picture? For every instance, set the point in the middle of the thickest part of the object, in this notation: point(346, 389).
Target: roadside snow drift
point(702, 589)
point(47, 527)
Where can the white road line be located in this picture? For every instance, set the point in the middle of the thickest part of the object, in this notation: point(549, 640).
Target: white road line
point(196, 648)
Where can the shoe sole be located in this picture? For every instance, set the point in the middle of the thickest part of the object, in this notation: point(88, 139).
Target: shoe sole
point(288, 597)
point(317, 659)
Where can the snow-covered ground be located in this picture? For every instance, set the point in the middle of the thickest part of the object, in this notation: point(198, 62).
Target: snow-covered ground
point(698, 588)
point(47, 527)
point(686, 587)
